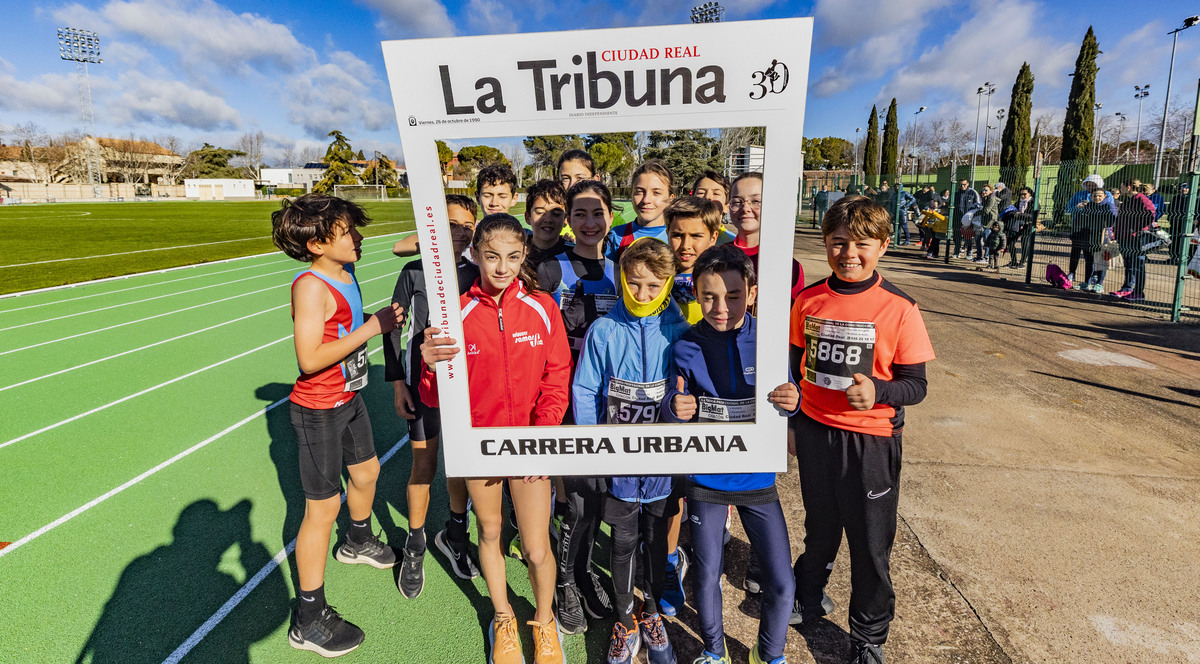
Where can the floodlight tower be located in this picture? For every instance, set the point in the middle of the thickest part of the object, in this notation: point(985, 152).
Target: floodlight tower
point(82, 47)
point(1140, 94)
point(709, 12)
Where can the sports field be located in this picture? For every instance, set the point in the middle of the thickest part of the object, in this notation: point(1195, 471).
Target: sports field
point(150, 470)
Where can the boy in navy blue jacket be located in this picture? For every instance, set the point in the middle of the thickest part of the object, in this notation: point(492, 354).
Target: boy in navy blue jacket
point(714, 381)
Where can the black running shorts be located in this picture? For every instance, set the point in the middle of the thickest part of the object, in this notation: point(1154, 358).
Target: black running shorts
point(328, 439)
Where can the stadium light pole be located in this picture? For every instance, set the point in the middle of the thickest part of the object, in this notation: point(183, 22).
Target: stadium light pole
point(999, 127)
point(1140, 94)
point(986, 89)
point(1162, 137)
point(1122, 119)
point(82, 47)
point(709, 12)
point(856, 130)
point(916, 121)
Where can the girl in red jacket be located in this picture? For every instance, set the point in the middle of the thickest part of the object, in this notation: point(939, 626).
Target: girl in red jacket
point(513, 381)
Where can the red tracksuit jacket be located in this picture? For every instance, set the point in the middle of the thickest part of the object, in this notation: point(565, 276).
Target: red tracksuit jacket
point(518, 359)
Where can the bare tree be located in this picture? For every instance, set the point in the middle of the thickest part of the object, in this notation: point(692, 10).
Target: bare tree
point(28, 136)
point(288, 157)
point(517, 157)
point(310, 154)
point(176, 147)
point(251, 163)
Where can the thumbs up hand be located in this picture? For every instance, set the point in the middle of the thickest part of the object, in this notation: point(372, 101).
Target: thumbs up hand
point(683, 404)
point(861, 394)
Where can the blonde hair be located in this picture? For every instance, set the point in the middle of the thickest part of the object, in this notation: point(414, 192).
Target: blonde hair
point(654, 254)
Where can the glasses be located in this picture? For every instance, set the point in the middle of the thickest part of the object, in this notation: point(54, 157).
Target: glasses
point(738, 203)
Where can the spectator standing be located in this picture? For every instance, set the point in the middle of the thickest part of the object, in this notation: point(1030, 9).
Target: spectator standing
point(1134, 215)
point(968, 201)
point(1179, 217)
point(1004, 196)
point(1018, 224)
point(988, 215)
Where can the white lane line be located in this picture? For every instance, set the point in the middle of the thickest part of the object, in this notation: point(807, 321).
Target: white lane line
point(232, 603)
point(165, 270)
point(110, 404)
point(148, 390)
point(168, 313)
point(140, 348)
point(142, 251)
point(132, 288)
point(292, 266)
point(96, 501)
point(142, 301)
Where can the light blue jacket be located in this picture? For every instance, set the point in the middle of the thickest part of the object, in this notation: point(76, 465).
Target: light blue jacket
point(621, 345)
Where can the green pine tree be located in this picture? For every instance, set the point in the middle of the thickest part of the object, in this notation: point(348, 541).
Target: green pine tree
point(1015, 143)
point(1078, 126)
point(337, 164)
point(871, 150)
point(889, 166)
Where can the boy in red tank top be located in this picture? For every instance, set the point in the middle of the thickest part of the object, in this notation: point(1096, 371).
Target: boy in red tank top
point(861, 347)
point(328, 415)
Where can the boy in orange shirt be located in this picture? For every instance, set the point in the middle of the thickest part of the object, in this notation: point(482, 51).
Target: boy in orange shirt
point(861, 346)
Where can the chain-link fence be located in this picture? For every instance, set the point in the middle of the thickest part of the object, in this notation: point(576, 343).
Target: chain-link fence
point(1106, 229)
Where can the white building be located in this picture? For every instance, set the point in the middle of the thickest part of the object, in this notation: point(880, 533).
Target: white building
point(292, 178)
point(218, 190)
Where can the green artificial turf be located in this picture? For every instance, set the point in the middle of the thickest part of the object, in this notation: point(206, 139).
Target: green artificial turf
point(111, 239)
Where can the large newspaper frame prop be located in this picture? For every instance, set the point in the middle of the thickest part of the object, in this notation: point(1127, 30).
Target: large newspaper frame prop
point(751, 73)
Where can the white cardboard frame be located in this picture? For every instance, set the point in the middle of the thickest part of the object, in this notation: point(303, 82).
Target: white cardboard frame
point(472, 69)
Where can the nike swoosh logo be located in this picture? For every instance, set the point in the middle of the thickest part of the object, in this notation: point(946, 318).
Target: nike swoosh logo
point(307, 599)
point(871, 495)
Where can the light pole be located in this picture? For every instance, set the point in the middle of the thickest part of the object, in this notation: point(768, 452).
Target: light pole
point(916, 120)
point(856, 130)
point(1122, 118)
point(1140, 94)
point(987, 154)
point(1162, 137)
point(709, 12)
point(82, 47)
point(879, 153)
point(999, 124)
point(986, 89)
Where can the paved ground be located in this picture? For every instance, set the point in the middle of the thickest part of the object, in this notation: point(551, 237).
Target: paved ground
point(1049, 506)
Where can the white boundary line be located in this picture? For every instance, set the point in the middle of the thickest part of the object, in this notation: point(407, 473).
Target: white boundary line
point(219, 285)
point(149, 285)
point(110, 404)
point(112, 492)
point(232, 603)
point(162, 271)
point(96, 501)
point(143, 251)
point(160, 385)
point(140, 348)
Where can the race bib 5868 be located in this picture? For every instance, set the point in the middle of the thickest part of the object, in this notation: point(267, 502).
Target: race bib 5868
point(835, 350)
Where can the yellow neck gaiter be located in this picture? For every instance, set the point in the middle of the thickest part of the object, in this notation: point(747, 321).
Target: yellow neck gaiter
point(643, 309)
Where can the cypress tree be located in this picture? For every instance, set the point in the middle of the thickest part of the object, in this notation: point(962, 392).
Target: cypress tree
point(1079, 124)
point(1015, 143)
point(890, 163)
point(870, 149)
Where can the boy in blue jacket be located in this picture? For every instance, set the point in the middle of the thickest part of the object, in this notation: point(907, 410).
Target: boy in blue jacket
point(713, 381)
point(621, 379)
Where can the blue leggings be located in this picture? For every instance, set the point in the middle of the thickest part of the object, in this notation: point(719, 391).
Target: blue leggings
point(768, 534)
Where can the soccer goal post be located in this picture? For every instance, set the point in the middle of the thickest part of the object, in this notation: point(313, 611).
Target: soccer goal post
point(360, 192)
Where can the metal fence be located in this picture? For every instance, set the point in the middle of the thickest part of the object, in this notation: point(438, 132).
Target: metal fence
point(1109, 244)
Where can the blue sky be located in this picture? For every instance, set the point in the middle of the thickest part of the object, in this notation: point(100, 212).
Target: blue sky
point(210, 70)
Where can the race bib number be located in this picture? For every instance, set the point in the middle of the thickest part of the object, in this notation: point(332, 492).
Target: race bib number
point(835, 350)
point(604, 302)
point(354, 369)
point(634, 403)
point(712, 409)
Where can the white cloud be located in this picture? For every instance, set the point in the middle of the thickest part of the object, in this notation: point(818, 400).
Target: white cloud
point(49, 93)
point(159, 102)
point(953, 70)
point(202, 32)
point(337, 95)
point(491, 17)
point(879, 34)
point(411, 18)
